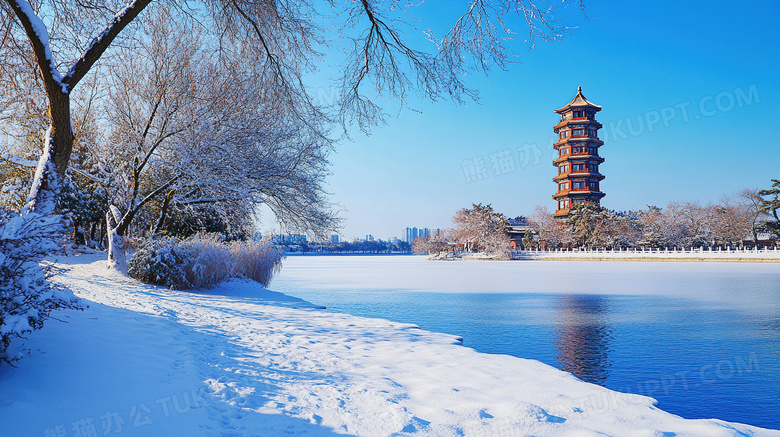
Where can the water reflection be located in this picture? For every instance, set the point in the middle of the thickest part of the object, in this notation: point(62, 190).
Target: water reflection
point(583, 337)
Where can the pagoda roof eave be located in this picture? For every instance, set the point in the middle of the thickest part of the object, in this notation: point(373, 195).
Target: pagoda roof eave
point(579, 101)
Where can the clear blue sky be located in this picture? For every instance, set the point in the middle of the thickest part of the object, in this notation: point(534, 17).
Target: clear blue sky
point(650, 65)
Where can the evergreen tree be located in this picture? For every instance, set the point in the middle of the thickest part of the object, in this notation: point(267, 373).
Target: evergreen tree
point(770, 205)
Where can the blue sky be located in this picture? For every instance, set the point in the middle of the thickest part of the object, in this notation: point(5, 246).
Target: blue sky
point(688, 91)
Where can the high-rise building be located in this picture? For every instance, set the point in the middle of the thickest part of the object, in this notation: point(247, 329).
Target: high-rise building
point(334, 239)
point(578, 159)
point(410, 234)
point(288, 239)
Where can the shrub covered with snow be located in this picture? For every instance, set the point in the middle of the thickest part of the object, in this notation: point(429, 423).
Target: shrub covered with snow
point(160, 261)
point(256, 260)
point(26, 296)
point(203, 261)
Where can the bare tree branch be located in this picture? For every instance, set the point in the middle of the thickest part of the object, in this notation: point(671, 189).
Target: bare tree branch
point(101, 42)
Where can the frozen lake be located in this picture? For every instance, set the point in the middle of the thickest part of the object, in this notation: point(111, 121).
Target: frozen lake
point(701, 338)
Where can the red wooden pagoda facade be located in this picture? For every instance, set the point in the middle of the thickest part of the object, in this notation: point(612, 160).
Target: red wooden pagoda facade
point(578, 159)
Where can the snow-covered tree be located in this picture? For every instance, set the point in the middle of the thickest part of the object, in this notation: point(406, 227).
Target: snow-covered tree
point(551, 233)
point(192, 137)
point(286, 38)
point(26, 296)
point(597, 227)
point(752, 201)
point(731, 220)
point(695, 217)
point(530, 240)
point(481, 228)
point(674, 228)
point(615, 230)
point(691, 224)
point(432, 245)
point(770, 205)
point(652, 224)
point(584, 221)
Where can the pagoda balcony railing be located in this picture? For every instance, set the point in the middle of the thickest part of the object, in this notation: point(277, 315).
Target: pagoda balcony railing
point(578, 121)
point(575, 173)
point(576, 191)
point(565, 176)
point(579, 137)
point(579, 156)
point(582, 138)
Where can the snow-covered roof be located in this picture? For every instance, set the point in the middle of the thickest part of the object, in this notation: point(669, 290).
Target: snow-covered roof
point(579, 101)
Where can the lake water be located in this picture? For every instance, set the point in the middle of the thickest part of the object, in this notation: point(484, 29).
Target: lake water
point(701, 338)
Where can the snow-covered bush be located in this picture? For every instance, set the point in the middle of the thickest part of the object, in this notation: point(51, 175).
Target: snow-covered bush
point(256, 260)
point(209, 261)
point(498, 246)
point(160, 261)
point(26, 296)
point(203, 261)
point(83, 207)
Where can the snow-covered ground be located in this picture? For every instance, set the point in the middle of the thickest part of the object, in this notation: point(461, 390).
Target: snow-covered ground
point(240, 360)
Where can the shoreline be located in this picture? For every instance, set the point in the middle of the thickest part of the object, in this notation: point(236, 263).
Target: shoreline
point(621, 258)
point(744, 256)
point(653, 259)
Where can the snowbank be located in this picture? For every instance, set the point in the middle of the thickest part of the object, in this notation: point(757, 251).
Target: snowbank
point(241, 360)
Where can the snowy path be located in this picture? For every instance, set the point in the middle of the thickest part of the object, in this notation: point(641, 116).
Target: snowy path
point(239, 360)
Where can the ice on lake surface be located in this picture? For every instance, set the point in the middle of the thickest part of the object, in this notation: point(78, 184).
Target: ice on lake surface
point(702, 338)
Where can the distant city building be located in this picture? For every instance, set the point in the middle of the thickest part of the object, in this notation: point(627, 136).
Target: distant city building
point(289, 239)
point(578, 159)
point(334, 239)
point(411, 233)
point(369, 237)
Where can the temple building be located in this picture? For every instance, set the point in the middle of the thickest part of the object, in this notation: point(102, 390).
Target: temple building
point(578, 159)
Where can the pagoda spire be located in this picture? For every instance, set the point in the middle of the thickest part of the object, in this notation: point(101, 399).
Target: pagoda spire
point(579, 176)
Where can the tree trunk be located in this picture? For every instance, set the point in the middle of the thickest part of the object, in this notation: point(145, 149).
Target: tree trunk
point(116, 247)
point(123, 221)
point(61, 131)
point(54, 160)
point(163, 212)
point(755, 235)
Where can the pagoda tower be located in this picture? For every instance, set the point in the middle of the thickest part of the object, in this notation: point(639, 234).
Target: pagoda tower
point(578, 159)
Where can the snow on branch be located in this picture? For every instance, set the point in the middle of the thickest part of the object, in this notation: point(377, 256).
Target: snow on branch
point(18, 161)
point(103, 40)
point(39, 39)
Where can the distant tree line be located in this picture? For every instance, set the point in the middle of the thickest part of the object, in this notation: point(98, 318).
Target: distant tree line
point(745, 219)
point(354, 247)
point(733, 221)
point(478, 229)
